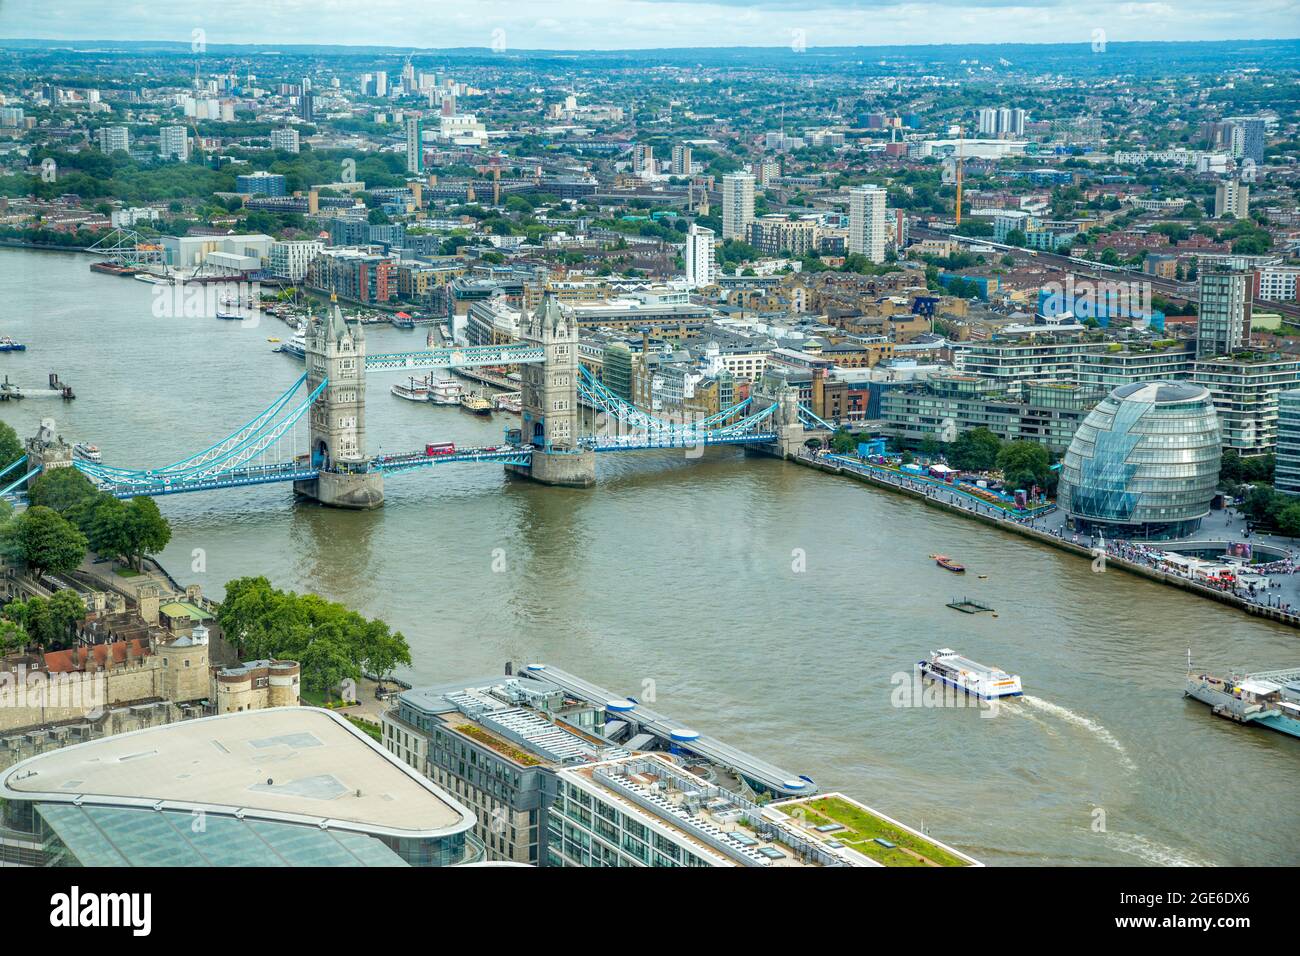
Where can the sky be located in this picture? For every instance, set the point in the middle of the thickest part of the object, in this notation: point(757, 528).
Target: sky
point(640, 24)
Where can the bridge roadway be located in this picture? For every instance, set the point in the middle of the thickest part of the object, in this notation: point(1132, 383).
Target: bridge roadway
point(300, 470)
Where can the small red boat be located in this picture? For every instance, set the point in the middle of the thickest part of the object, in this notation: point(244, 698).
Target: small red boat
point(949, 565)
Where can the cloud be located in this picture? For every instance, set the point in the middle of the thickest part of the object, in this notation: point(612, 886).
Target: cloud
point(633, 24)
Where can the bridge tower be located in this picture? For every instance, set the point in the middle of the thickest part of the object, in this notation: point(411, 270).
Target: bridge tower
point(551, 417)
point(336, 352)
point(790, 432)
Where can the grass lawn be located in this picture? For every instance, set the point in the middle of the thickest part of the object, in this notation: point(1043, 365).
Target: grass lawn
point(126, 573)
point(861, 829)
point(367, 727)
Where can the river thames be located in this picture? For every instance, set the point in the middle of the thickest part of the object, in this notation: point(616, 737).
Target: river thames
point(765, 603)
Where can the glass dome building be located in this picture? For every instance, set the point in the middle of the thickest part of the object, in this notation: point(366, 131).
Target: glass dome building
point(1144, 463)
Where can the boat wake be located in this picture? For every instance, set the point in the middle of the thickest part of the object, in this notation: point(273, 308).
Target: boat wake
point(1156, 854)
point(1094, 728)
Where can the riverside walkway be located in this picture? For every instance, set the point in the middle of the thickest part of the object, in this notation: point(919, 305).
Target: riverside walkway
point(1279, 600)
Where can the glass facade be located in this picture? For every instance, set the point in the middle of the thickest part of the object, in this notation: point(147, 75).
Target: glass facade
point(1144, 463)
point(62, 834)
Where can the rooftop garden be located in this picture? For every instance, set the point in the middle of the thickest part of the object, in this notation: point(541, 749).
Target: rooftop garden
point(862, 829)
point(496, 743)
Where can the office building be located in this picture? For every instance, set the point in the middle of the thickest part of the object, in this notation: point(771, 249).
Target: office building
point(699, 256)
point(868, 226)
point(414, 145)
point(1144, 463)
point(174, 143)
point(285, 139)
point(1231, 199)
point(288, 786)
point(1223, 312)
point(737, 205)
point(946, 406)
point(114, 138)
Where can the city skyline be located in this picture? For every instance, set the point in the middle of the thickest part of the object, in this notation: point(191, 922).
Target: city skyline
point(663, 24)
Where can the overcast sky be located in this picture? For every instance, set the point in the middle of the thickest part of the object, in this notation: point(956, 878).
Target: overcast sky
point(630, 24)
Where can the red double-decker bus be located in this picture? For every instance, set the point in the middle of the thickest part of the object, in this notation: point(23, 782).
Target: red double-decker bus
point(440, 449)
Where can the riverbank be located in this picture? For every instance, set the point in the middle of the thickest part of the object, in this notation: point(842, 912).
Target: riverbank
point(1013, 526)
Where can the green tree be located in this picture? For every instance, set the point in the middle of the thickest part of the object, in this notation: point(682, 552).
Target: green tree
point(147, 531)
point(12, 636)
point(325, 663)
point(1024, 463)
point(975, 450)
point(11, 448)
point(1288, 521)
point(48, 542)
point(61, 489)
point(65, 611)
point(384, 650)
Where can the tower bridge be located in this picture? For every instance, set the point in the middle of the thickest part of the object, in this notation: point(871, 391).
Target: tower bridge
point(314, 434)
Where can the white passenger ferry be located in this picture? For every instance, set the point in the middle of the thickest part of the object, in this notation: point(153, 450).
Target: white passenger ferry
point(417, 390)
point(963, 674)
point(444, 391)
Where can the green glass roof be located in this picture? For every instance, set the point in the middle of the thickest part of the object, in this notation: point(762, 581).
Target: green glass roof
point(116, 836)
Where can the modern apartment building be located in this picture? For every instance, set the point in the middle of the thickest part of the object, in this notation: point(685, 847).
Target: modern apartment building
point(868, 227)
point(1119, 365)
point(700, 258)
point(1245, 389)
point(261, 183)
point(1286, 471)
point(737, 205)
point(1231, 199)
point(289, 260)
point(778, 235)
point(358, 275)
point(174, 143)
point(1012, 363)
point(285, 139)
point(681, 160)
point(1224, 310)
point(113, 138)
point(414, 145)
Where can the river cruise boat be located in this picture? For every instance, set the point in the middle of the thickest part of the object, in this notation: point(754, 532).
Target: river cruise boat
point(86, 451)
point(444, 391)
point(297, 346)
point(10, 345)
point(413, 390)
point(151, 278)
point(509, 402)
point(1268, 699)
point(229, 316)
point(963, 674)
point(476, 403)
